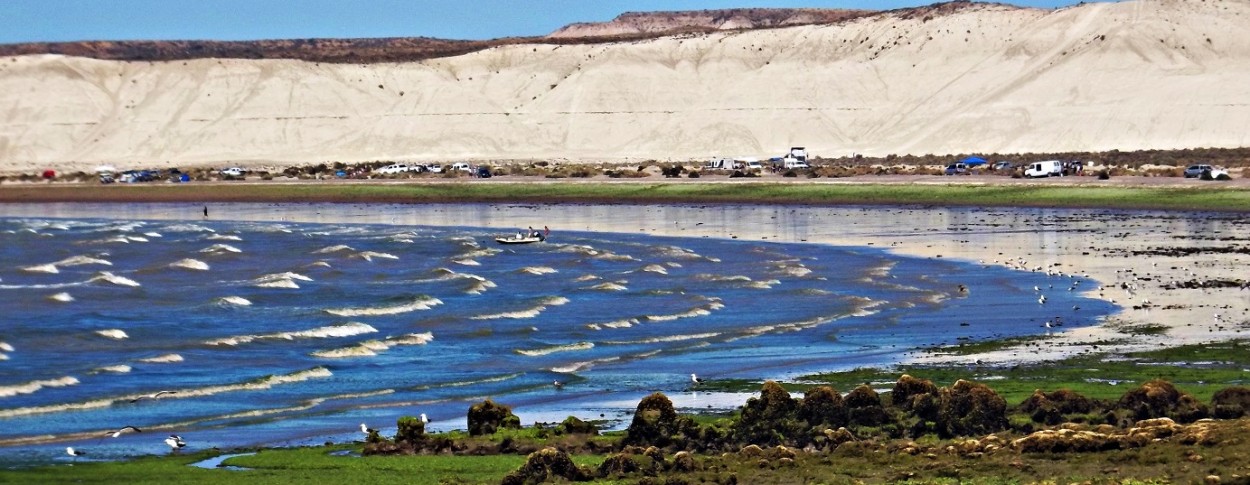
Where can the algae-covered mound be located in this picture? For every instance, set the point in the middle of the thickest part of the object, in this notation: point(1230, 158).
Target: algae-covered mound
point(968, 408)
point(546, 465)
point(1160, 399)
point(770, 418)
point(656, 423)
point(487, 417)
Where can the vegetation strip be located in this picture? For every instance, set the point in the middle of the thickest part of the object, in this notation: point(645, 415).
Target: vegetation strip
point(1204, 198)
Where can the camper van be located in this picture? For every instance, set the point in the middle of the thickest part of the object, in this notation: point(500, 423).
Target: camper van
point(1049, 168)
point(719, 163)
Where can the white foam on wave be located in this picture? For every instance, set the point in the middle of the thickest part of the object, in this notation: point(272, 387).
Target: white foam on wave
point(118, 280)
point(220, 249)
point(371, 348)
point(556, 348)
point(188, 263)
point(234, 300)
point(136, 238)
point(318, 264)
point(163, 359)
point(699, 311)
point(153, 234)
point(798, 271)
point(423, 303)
point(42, 268)
point(34, 386)
point(720, 278)
point(333, 249)
point(526, 313)
point(609, 286)
point(187, 228)
point(480, 287)
point(348, 329)
point(82, 260)
point(62, 297)
point(280, 280)
point(585, 278)
point(467, 262)
point(480, 253)
point(654, 268)
point(113, 333)
point(112, 369)
point(371, 255)
point(537, 270)
point(261, 384)
point(763, 285)
point(223, 237)
point(666, 338)
point(6, 347)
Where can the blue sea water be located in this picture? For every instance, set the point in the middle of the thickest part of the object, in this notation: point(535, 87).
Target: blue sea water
point(275, 333)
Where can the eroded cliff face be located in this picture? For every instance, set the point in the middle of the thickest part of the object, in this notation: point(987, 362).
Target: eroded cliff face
point(635, 23)
point(980, 77)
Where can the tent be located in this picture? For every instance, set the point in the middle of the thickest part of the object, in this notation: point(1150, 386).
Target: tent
point(973, 161)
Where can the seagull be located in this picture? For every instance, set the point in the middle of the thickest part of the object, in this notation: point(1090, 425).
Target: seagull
point(424, 419)
point(154, 395)
point(1041, 299)
point(1048, 324)
point(367, 430)
point(124, 431)
point(695, 379)
point(558, 384)
point(69, 450)
point(175, 442)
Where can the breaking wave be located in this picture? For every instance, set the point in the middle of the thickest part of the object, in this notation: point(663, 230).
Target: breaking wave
point(220, 248)
point(234, 300)
point(527, 313)
point(62, 297)
point(112, 369)
point(655, 268)
point(188, 263)
point(371, 255)
point(556, 348)
point(609, 286)
point(34, 386)
point(333, 249)
point(423, 303)
point(613, 324)
point(108, 277)
point(42, 268)
point(113, 333)
point(371, 348)
point(163, 359)
point(224, 237)
point(537, 270)
point(332, 331)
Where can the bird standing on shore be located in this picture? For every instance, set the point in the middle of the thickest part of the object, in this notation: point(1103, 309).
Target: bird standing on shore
point(367, 430)
point(424, 419)
point(69, 450)
point(695, 379)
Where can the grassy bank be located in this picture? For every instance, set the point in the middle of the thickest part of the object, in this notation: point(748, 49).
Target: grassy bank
point(1012, 195)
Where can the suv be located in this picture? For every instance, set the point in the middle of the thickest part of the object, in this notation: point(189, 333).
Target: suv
point(1196, 171)
point(232, 172)
point(958, 169)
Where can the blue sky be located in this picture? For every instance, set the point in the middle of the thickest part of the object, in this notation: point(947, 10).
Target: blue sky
point(67, 20)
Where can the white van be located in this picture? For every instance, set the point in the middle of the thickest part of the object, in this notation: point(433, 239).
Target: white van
point(461, 167)
point(790, 162)
point(719, 163)
point(1048, 168)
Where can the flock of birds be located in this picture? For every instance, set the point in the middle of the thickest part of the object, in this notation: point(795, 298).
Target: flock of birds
point(174, 441)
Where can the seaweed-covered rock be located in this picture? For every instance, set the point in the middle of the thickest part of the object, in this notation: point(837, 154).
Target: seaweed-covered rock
point(822, 407)
point(908, 388)
point(769, 419)
point(572, 425)
point(619, 464)
point(1050, 408)
point(411, 430)
point(683, 461)
point(487, 417)
point(655, 422)
point(544, 465)
point(838, 436)
point(1231, 402)
point(864, 408)
point(968, 408)
point(1158, 399)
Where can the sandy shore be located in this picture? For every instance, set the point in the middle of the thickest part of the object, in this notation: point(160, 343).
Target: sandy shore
point(1153, 264)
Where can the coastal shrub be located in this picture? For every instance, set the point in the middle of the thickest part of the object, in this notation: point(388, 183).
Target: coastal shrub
point(1104, 174)
point(968, 408)
point(547, 464)
point(790, 173)
point(1231, 402)
point(864, 408)
point(1223, 176)
point(1160, 399)
point(693, 175)
point(770, 418)
point(487, 417)
point(822, 407)
point(411, 430)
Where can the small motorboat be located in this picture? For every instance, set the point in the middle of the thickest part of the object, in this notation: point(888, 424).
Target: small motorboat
point(522, 238)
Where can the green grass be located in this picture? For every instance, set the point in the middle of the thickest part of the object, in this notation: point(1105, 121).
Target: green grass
point(289, 465)
point(1200, 370)
point(1174, 198)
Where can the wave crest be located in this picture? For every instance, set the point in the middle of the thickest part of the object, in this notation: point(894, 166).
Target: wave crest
point(424, 303)
point(332, 331)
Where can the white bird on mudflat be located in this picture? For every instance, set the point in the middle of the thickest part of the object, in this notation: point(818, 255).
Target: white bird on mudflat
point(365, 429)
point(175, 442)
point(695, 379)
point(69, 450)
point(154, 395)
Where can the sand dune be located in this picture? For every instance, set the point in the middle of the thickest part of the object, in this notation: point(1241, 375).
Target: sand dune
point(986, 78)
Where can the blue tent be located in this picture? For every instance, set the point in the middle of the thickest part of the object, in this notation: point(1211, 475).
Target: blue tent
point(973, 161)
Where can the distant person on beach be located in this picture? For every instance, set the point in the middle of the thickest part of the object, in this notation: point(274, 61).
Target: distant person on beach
point(205, 211)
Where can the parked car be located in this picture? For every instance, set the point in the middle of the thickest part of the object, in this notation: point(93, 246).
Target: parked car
point(395, 168)
point(1002, 165)
point(434, 168)
point(1196, 171)
point(232, 172)
point(958, 169)
point(463, 167)
point(483, 172)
